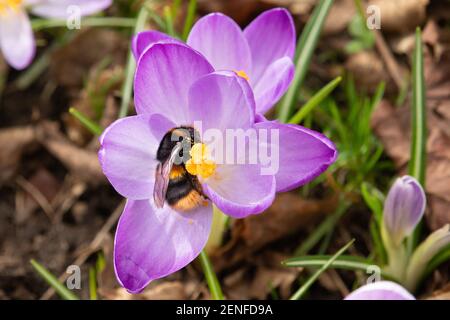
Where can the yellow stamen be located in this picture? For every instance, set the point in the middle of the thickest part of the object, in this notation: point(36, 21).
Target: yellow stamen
point(242, 74)
point(6, 5)
point(200, 164)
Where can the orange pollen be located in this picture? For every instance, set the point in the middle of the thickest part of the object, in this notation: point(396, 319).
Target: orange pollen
point(242, 74)
point(200, 164)
point(6, 5)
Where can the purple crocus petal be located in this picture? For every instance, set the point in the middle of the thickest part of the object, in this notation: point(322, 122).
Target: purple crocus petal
point(143, 40)
point(382, 290)
point(271, 36)
point(403, 208)
point(164, 75)
point(240, 190)
point(222, 42)
point(227, 104)
point(17, 39)
point(152, 243)
point(303, 153)
point(61, 8)
point(274, 82)
point(128, 155)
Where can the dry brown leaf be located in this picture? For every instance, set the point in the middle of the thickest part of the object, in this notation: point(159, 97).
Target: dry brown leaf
point(82, 162)
point(288, 214)
point(240, 10)
point(367, 69)
point(295, 7)
point(173, 290)
point(442, 294)
point(259, 277)
point(340, 15)
point(13, 142)
point(401, 15)
point(70, 65)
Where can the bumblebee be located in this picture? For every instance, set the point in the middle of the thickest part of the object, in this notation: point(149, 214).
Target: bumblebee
point(173, 183)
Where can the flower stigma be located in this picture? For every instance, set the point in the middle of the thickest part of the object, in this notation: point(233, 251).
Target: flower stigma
point(242, 74)
point(7, 5)
point(200, 164)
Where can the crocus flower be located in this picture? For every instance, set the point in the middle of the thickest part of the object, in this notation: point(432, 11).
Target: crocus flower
point(175, 87)
point(262, 53)
point(403, 208)
point(16, 35)
point(381, 290)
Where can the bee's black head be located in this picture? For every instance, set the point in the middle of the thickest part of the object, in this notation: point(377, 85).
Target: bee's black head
point(187, 136)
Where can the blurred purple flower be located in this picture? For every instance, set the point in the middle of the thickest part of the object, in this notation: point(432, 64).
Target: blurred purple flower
point(176, 86)
point(16, 35)
point(262, 53)
point(403, 208)
point(381, 290)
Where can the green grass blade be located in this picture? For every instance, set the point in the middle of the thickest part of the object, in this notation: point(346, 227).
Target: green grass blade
point(346, 262)
point(127, 88)
point(343, 262)
point(93, 127)
point(92, 284)
point(169, 21)
point(211, 278)
point(39, 24)
point(192, 8)
point(53, 281)
point(315, 101)
point(305, 49)
point(303, 289)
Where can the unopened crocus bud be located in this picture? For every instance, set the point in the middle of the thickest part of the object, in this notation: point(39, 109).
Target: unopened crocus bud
point(403, 208)
point(382, 290)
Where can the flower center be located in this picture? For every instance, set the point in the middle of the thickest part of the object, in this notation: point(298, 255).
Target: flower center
point(200, 164)
point(6, 5)
point(242, 74)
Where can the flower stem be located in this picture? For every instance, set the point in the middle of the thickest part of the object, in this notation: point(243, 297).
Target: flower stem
point(211, 278)
point(218, 228)
point(39, 24)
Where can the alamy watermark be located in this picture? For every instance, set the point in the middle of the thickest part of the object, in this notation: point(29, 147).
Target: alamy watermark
point(73, 21)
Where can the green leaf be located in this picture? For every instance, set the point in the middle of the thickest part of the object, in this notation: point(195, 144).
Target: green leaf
point(438, 259)
point(92, 284)
point(127, 88)
point(192, 7)
point(305, 49)
point(374, 199)
point(419, 131)
point(303, 289)
point(211, 278)
point(93, 127)
point(315, 101)
point(53, 281)
point(417, 162)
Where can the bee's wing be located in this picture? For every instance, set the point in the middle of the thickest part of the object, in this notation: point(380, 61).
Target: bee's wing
point(162, 176)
